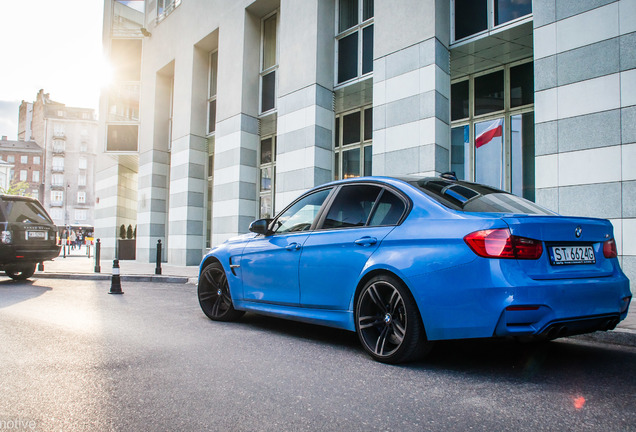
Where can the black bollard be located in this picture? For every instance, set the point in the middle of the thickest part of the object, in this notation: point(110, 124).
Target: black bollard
point(115, 282)
point(64, 247)
point(98, 248)
point(41, 266)
point(158, 267)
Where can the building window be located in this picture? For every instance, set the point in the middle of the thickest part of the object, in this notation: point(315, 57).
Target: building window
point(58, 163)
point(80, 214)
point(11, 159)
point(57, 197)
point(24, 159)
point(35, 177)
point(36, 160)
point(58, 130)
point(81, 180)
point(354, 39)
point(268, 175)
point(269, 62)
point(57, 180)
point(492, 129)
point(57, 214)
point(165, 8)
point(81, 197)
point(212, 72)
point(35, 194)
point(23, 175)
point(471, 17)
point(59, 146)
point(353, 151)
point(83, 146)
point(83, 163)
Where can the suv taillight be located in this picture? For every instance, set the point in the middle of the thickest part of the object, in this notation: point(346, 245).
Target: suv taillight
point(5, 237)
point(499, 243)
point(609, 249)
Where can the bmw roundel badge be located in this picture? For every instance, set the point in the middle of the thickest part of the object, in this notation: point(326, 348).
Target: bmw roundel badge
point(578, 231)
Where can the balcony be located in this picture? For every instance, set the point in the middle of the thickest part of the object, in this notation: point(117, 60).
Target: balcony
point(57, 169)
point(58, 134)
point(59, 150)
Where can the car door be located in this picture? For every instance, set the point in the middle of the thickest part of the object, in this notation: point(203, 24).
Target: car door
point(269, 264)
point(335, 255)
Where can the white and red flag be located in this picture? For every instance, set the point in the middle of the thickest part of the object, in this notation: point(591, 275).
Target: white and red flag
point(494, 130)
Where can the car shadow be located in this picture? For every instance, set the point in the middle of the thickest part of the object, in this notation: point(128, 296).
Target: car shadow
point(496, 359)
point(12, 292)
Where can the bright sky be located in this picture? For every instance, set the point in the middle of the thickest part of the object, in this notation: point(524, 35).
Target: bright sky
point(55, 45)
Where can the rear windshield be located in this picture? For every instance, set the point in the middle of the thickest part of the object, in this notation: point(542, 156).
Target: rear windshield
point(476, 198)
point(23, 211)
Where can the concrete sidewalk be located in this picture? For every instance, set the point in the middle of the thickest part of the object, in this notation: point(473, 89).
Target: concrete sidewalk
point(78, 266)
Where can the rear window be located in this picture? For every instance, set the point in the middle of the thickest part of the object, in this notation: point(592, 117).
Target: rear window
point(476, 198)
point(23, 211)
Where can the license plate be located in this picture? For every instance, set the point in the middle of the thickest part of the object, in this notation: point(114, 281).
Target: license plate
point(572, 255)
point(40, 235)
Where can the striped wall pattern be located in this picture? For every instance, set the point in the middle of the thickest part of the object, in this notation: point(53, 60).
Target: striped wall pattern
point(188, 183)
point(152, 205)
point(235, 175)
point(411, 115)
point(304, 153)
point(585, 107)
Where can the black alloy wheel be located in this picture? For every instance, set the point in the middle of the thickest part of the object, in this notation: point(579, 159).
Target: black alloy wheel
point(20, 272)
point(214, 294)
point(388, 322)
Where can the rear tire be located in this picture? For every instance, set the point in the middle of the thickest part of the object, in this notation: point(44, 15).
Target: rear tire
point(388, 322)
point(214, 294)
point(21, 272)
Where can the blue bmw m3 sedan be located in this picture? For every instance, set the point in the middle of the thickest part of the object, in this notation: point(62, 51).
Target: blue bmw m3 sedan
point(405, 262)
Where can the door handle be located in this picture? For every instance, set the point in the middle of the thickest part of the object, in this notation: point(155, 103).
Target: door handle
point(366, 241)
point(293, 246)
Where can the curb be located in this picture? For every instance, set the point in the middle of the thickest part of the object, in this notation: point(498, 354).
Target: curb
point(125, 278)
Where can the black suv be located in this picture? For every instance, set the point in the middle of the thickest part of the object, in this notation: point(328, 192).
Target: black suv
point(27, 236)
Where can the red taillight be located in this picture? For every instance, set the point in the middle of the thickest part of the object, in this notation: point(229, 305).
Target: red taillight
point(609, 249)
point(499, 243)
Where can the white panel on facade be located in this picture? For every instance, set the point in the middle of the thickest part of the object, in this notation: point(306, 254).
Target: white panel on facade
point(545, 41)
point(590, 96)
point(627, 16)
point(590, 166)
point(546, 171)
point(628, 86)
point(587, 28)
point(545, 103)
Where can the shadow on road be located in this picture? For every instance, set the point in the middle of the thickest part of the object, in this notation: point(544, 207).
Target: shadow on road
point(12, 292)
point(497, 359)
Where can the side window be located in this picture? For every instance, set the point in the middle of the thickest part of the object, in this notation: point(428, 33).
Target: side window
point(301, 215)
point(352, 206)
point(388, 211)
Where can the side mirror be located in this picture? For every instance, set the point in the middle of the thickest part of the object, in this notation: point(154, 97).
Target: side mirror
point(261, 226)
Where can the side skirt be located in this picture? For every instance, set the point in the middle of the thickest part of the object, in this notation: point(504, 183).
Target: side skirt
point(331, 318)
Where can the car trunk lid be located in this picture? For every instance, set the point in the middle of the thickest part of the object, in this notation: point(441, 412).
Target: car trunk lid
point(572, 246)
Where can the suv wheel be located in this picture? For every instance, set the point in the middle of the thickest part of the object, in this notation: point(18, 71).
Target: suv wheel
point(21, 272)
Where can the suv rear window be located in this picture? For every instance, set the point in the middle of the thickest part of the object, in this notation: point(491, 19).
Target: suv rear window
point(476, 198)
point(22, 212)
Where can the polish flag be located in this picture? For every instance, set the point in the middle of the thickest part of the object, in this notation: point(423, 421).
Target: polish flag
point(494, 130)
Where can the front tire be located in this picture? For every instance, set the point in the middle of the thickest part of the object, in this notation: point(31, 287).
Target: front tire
point(388, 322)
point(21, 272)
point(214, 294)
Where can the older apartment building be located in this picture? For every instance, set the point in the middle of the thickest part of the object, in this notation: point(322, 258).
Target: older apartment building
point(223, 112)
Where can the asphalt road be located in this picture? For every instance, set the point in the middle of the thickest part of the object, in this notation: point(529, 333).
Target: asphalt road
point(74, 358)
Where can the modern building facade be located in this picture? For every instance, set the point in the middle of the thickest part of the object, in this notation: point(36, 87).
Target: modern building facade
point(67, 137)
point(23, 164)
point(235, 108)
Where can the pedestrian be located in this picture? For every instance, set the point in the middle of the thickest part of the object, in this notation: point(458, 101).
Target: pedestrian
point(73, 238)
point(80, 240)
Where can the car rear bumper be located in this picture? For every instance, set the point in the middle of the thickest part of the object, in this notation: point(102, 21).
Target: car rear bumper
point(11, 255)
point(489, 298)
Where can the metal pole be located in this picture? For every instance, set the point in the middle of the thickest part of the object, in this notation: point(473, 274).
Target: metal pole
point(98, 249)
point(158, 267)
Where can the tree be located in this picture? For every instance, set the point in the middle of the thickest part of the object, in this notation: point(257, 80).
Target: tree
point(129, 232)
point(122, 232)
point(17, 188)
